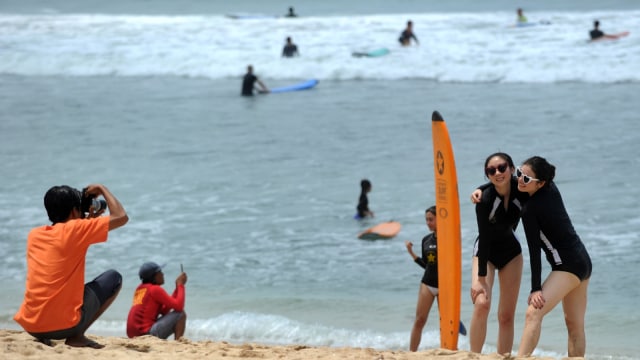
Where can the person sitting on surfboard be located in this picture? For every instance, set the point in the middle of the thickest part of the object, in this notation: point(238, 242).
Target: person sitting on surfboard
point(290, 49)
point(363, 202)
point(249, 81)
point(291, 12)
point(496, 249)
point(407, 34)
point(596, 33)
point(521, 18)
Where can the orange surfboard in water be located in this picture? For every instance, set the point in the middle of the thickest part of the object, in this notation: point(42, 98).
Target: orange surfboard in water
point(385, 230)
point(449, 236)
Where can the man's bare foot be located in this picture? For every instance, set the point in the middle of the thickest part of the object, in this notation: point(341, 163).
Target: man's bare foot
point(45, 342)
point(83, 342)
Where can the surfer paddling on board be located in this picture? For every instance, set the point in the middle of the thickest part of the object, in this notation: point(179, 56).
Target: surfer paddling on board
point(407, 34)
point(597, 34)
point(248, 83)
point(363, 201)
point(498, 206)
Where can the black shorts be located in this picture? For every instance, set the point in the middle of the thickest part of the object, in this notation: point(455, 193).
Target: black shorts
point(96, 293)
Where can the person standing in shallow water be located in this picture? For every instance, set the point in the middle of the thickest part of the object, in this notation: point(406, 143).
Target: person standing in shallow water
point(408, 34)
point(363, 201)
point(290, 49)
point(549, 229)
point(248, 83)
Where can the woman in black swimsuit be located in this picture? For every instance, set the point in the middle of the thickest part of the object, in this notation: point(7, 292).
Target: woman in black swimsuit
point(496, 249)
point(548, 228)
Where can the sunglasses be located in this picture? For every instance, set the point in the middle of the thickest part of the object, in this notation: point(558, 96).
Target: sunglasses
point(525, 178)
point(491, 170)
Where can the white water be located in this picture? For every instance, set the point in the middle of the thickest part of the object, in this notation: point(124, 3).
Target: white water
point(455, 47)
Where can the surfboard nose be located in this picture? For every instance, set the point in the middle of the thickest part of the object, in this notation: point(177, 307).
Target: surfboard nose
point(436, 116)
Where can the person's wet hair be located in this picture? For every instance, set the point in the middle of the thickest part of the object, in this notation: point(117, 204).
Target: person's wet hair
point(60, 201)
point(544, 171)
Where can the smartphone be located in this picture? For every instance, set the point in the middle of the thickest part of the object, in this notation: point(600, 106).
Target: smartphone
point(181, 269)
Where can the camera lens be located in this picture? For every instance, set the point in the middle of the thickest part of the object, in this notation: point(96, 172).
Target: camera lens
point(98, 204)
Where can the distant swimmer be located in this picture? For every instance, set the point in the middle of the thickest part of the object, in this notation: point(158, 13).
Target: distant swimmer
point(249, 81)
point(407, 34)
point(291, 12)
point(290, 49)
point(521, 18)
point(597, 34)
point(363, 201)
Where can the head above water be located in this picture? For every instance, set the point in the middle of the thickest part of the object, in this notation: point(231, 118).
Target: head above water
point(365, 185)
point(60, 202)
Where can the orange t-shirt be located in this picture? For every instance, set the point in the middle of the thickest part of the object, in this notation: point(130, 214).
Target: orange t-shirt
point(55, 273)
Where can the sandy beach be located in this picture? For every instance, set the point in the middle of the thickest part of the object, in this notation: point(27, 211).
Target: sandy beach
point(20, 345)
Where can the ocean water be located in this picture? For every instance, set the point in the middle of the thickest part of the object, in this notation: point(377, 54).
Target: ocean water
point(255, 196)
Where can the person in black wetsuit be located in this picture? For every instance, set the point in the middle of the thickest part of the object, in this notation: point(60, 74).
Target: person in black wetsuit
point(596, 33)
point(407, 34)
point(249, 81)
point(429, 285)
point(291, 12)
point(549, 229)
point(363, 202)
point(496, 248)
point(290, 49)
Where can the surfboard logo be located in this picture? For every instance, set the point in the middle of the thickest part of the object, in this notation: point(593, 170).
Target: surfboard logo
point(440, 162)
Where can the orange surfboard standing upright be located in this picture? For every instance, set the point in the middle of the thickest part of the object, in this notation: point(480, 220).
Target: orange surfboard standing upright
point(449, 238)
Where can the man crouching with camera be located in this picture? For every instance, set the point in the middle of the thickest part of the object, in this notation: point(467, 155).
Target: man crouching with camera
point(57, 303)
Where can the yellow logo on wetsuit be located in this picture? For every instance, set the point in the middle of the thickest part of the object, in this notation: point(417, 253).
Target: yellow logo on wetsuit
point(138, 296)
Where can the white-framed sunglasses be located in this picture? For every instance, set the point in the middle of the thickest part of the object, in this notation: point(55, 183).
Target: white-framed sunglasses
point(525, 178)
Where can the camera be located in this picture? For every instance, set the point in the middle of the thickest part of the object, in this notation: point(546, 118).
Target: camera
point(87, 201)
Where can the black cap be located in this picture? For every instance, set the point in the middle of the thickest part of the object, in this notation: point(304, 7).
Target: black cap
point(148, 270)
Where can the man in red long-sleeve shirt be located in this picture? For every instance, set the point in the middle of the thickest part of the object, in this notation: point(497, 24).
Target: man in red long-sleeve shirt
point(154, 311)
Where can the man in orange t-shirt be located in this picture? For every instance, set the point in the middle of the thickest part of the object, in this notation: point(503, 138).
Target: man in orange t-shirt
point(57, 303)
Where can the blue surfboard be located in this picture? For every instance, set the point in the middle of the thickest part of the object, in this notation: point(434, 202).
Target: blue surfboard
point(243, 16)
point(295, 87)
point(373, 53)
